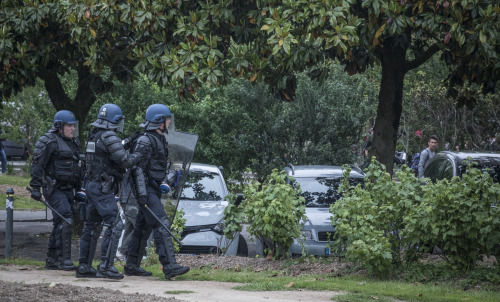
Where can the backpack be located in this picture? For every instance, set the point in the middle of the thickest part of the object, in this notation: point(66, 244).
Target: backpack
point(414, 162)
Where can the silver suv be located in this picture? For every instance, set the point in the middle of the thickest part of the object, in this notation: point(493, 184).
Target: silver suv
point(319, 185)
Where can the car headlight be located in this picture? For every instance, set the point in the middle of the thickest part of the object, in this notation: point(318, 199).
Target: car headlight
point(307, 235)
point(219, 227)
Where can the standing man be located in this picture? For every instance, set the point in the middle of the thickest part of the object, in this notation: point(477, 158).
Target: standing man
point(427, 154)
point(3, 157)
point(106, 161)
point(56, 169)
point(150, 182)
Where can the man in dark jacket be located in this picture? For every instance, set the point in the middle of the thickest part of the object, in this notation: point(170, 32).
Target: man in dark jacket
point(149, 183)
point(3, 157)
point(56, 169)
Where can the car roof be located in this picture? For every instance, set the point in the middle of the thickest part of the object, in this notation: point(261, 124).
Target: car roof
point(204, 167)
point(481, 157)
point(322, 171)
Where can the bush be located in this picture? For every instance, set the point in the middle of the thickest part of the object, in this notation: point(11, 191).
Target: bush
point(377, 222)
point(460, 216)
point(274, 211)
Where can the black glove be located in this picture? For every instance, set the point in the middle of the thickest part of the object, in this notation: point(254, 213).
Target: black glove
point(36, 194)
point(141, 200)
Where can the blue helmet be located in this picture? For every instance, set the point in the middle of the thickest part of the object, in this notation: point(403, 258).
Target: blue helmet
point(155, 116)
point(64, 117)
point(157, 113)
point(110, 117)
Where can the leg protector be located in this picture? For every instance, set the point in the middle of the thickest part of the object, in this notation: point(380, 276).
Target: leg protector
point(116, 231)
point(66, 232)
point(106, 268)
point(144, 242)
point(167, 244)
point(94, 238)
point(170, 266)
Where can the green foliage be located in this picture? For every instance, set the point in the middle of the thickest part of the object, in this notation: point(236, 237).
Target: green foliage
point(274, 211)
point(177, 226)
point(367, 220)
point(27, 115)
point(234, 217)
point(151, 256)
point(375, 223)
point(460, 216)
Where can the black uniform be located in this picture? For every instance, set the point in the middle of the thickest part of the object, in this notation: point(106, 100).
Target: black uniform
point(148, 175)
point(56, 169)
point(106, 161)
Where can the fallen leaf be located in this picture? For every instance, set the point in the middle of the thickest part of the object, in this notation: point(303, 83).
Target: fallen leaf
point(373, 297)
point(52, 284)
point(289, 284)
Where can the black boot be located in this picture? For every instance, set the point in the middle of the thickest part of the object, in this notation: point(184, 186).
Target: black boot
point(133, 270)
point(172, 270)
point(85, 271)
point(108, 271)
point(52, 260)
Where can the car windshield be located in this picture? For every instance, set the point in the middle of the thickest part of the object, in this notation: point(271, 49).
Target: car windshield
point(202, 185)
point(321, 191)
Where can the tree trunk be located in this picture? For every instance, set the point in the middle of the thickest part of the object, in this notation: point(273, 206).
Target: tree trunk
point(389, 106)
point(80, 106)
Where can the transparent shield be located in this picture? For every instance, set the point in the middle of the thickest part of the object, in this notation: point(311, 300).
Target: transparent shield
point(181, 147)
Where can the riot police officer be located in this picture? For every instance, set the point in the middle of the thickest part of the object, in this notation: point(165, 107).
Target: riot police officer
point(56, 169)
point(149, 183)
point(106, 161)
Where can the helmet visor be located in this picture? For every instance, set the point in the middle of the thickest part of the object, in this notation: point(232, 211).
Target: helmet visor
point(121, 125)
point(69, 131)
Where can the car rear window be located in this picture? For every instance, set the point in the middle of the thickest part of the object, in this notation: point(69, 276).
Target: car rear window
point(322, 192)
point(492, 170)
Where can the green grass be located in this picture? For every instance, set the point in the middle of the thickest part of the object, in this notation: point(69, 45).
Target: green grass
point(352, 287)
point(14, 180)
point(176, 292)
point(22, 203)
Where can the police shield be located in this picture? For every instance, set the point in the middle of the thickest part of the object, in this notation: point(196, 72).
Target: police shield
point(181, 146)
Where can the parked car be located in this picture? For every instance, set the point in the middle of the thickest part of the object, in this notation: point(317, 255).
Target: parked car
point(203, 200)
point(447, 164)
point(15, 150)
point(319, 185)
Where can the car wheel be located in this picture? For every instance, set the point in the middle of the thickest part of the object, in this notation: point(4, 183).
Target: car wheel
point(242, 247)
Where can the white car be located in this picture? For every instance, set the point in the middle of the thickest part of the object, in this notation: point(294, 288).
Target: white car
point(203, 200)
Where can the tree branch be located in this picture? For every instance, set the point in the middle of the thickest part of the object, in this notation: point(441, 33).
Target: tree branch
point(423, 58)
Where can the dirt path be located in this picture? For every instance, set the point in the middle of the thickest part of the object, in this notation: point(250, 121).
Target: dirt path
point(206, 291)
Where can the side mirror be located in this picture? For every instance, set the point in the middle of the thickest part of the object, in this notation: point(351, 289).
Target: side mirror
point(239, 199)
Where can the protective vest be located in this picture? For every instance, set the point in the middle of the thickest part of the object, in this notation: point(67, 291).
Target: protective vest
point(65, 167)
point(97, 159)
point(157, 167)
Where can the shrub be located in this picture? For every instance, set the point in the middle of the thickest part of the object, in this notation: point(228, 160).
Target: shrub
point(274, 211)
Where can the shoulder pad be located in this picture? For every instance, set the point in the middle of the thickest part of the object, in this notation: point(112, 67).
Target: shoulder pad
point(144, 141)
point(42, 143)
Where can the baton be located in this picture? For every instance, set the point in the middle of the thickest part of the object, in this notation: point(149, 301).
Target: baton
point(162, 224)
point(48, 206)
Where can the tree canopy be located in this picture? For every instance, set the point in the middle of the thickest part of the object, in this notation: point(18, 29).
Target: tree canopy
point(190, 43)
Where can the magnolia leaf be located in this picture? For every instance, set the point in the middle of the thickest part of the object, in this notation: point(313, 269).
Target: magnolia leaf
point(379, 31)
point(252, 79)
